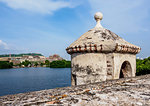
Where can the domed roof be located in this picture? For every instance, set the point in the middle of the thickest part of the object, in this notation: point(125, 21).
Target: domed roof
point(101, 40)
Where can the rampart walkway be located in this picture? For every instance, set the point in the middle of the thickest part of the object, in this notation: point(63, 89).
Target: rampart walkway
point(128, 92)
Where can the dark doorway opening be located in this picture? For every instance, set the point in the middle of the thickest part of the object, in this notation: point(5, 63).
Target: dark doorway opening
point(121, 74)
point(126, 70)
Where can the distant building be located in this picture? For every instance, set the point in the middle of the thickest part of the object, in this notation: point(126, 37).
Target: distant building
point(54, 58)
point(15, 62)
point(17, 59)
point(5, 58)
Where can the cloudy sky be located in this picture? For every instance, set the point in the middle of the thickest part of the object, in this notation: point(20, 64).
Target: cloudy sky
point(49, 26)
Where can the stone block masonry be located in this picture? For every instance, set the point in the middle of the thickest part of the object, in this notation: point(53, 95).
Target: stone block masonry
point(100, 55)
point(123, 92)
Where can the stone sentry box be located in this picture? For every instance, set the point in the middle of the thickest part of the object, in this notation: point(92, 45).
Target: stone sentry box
point(100, 55)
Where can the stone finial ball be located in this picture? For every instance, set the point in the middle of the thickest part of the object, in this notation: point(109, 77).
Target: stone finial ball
point(98, 16)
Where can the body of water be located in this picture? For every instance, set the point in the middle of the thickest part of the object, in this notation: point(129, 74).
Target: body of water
point(13, 81)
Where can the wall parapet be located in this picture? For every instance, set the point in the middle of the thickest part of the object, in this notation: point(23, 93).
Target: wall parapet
point(131, 91)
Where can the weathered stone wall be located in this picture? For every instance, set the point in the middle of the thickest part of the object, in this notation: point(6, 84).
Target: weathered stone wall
point(118, 61)
point(89, 67)
point(96, 67)
point(98, 55)
point(123, 92)
point(110, 66)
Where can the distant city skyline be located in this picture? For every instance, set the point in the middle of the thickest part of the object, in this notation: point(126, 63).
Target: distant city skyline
point(49, 27)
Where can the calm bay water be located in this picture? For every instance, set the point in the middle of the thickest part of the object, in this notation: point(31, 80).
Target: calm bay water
point(13, 81)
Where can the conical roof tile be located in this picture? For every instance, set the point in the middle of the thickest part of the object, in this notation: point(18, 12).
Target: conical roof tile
point(100, 39)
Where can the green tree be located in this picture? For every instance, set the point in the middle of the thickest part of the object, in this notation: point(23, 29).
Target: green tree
point(26, 63)
point(47, 63)
point(5, 64)
point(60, 64)
point(143, 66)
point(41, 64)
point(68, 64)
point(36, 64)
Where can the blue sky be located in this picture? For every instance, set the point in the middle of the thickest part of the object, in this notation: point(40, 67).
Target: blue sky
point(49, 26)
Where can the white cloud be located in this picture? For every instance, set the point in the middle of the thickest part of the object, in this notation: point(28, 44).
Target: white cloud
point(39, 6)
point(3, 45)
point(7, 48)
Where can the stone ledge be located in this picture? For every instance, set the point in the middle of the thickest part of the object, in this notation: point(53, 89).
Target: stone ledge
point(126, 91)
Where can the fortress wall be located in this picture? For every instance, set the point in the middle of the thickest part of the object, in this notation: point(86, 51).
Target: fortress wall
point(89, 67)
point(127, 91)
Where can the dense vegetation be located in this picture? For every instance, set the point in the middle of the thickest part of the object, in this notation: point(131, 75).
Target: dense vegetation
point(143, 66)
point(26, 63)
point(5, 64)
point(60, 64)
point(47, 63)
point(20, 55)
